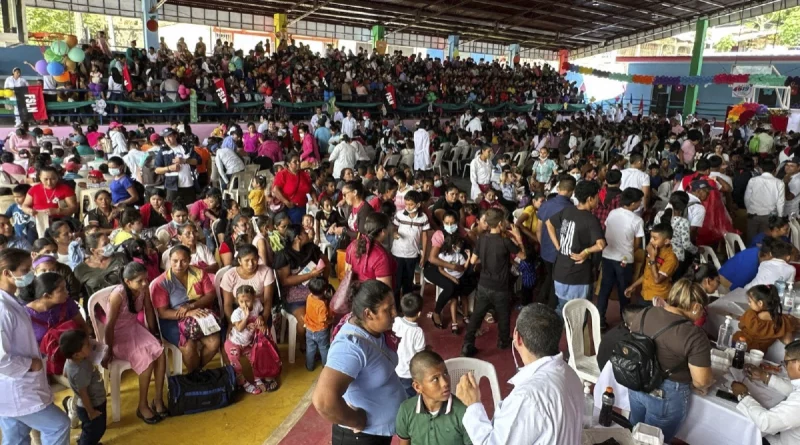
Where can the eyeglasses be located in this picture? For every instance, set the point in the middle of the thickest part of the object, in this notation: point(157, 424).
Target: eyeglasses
point(785, 363)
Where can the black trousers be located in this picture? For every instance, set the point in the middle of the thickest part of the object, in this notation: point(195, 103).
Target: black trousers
point(92, 430)
point(547, 292)
point(345, 436)
point(486, 299)
point(466, 284)
point(405, 277)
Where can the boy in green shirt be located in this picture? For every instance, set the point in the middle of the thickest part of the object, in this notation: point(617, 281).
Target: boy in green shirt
point(434, 416)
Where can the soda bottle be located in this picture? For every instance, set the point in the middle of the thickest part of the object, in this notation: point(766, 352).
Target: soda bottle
point(738, 355)
point(588, 406)
point(607, 410)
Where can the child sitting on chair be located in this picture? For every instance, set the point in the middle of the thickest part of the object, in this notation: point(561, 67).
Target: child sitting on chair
point(246, 319)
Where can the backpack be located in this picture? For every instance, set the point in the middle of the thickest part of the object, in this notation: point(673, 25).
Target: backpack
point(635, 362)
point(49, 344)
point(202, 390)
point(264, 357)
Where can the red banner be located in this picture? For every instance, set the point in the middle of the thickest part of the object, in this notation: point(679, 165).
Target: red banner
point(30, 103)
point(126, 78)
point(391, 97)
point(222, 94)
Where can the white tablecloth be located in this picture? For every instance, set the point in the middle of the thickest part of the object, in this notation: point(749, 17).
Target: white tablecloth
point(593, 436)
point(735, 304)
point(710, 420)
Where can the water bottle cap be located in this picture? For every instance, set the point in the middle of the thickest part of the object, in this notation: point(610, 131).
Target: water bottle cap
point(610, 390)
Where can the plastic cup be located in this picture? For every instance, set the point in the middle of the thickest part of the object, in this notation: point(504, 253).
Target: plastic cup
point(756, 357)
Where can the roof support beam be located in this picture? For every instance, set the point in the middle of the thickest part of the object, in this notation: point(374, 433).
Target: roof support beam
point(317, 7)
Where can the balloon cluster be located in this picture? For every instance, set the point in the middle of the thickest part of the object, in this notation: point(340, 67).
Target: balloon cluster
point(745, 111)
point(61, 59)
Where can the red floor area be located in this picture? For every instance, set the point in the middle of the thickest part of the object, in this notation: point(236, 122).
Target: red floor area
point(313, 430)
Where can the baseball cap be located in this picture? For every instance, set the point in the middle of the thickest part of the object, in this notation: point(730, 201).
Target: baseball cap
point(72, 166)
point(794, 160)
point(154, 137)
point(47, 131)
point(113, 125)
point(700, 184)
point(97, 174)
point(167, 132)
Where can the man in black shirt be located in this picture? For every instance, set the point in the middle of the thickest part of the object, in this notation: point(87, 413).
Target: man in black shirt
point(494, 250)
point(576, 234)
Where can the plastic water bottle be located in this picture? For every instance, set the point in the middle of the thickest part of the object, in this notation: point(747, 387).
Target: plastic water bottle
point(788, 300)
point(725, 336)
point(738, 355)
point(781, 287)
point(607, 411)
point(588, 406)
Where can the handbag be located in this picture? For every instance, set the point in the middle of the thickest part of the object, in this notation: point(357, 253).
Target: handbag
point(49, 344)
point(340, 302)
point(202, 390)
point(264, 357)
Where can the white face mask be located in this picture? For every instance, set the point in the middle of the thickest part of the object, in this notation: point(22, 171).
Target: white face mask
point(577, 176)
point(114, 171)
point(437, 183)
point(450, 228)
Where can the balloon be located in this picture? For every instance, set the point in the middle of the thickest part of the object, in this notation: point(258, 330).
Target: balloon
point(50, 56)
point(152, 25)
point(59, 47)
point(71, 40)
point(41, 67)
point(62, 78)
point(76, 55)
point(55, 69)
point(70, 65)
point(6, 93)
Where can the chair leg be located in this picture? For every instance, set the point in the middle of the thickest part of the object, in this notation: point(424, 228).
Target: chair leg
point(284, 327)
point(116, 376)
point(177, 363)
point(292, 339)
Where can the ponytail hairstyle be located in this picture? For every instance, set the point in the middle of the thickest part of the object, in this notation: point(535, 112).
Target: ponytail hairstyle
point(368, 297)
point(47, 283)
point(685, 294)
point(130, 272)
point(678, 203)
point(374, 224)
point(768, 294)
point(698, 272)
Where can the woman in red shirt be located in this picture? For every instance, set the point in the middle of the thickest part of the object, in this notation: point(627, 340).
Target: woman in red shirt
point(291, 186)
point(50, 196)
point(366, 255)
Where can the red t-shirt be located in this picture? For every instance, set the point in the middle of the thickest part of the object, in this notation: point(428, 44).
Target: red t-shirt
point(294, 187)
point(44, 199)
point(376, 263)
point(375, 203)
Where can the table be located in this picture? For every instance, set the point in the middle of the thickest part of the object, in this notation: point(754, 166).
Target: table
point(709, 421)
point(735, 304)
point(593, 436)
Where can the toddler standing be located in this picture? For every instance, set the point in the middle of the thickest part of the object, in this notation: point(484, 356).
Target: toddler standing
point(87, 383)
point(412, 339)
point(256, 197)
point(318, 320)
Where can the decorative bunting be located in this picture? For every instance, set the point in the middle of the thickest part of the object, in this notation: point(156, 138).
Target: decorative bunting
point(719, 79)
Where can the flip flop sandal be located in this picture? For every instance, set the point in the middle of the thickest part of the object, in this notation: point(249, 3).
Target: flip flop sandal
point(251, 389)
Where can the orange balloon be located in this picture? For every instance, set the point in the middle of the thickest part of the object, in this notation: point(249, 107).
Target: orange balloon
point(62, 78)
point(71, 40)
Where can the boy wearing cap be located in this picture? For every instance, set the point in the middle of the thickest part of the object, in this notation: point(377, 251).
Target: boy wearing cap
point(435, 416)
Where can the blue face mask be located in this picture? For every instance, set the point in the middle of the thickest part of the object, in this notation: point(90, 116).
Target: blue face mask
point(23, 281)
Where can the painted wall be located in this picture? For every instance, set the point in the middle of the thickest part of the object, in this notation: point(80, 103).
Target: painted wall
point(15, 56)
point(713, 99)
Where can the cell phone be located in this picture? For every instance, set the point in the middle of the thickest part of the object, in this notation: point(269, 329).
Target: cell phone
point(727, 396)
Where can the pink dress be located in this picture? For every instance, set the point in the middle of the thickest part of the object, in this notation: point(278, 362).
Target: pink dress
point(132, 341)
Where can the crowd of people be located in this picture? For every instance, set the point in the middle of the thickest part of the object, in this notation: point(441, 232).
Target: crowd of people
point(558, 208)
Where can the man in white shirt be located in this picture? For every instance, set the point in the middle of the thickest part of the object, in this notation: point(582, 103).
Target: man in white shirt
point(349, 124)
point(632, 141)
point(475, 124)
point(344, 155)
point(175, 163)
point(119, 144)
point(624, 233)
point(546, 405)
point(792, 181)
point(465, 119)
point(422, 147)
point(696, 211)
point(15, 80)
point(635, 177)
point(779, 425)
point(765, 195)
point(228, 161)
point(314, 122)
point(776, 268)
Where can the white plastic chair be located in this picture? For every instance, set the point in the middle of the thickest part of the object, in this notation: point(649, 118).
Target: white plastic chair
point(574, 317)
point(516, 214)
point(456, 153)
point(173, 354)
point(460, 366)
point(436, 160)
point(291, 326)
point(707, 254)
point(392, 160)
point(520, 159)
point(733, 240)
point(113, 375)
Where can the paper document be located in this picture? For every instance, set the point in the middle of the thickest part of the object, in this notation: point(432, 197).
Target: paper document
point(310, 267)
point(208, 324)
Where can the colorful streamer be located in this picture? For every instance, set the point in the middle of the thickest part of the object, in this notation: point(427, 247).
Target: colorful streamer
point(719, 79)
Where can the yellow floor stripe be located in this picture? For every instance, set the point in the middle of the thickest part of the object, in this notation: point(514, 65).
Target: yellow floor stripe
point(250, 420)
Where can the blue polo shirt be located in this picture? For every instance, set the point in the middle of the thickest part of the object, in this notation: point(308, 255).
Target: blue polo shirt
point(758, 239)
point(548, 209)
point(376, 387)
point(742, 268)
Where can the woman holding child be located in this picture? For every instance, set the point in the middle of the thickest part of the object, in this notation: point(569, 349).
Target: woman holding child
point(363, 408)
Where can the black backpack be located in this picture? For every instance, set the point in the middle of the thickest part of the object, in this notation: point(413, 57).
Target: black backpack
point(202, 390)
point(635, 362)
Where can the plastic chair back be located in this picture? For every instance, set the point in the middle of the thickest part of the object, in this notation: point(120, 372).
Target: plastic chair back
point(460, 366)
point(707, 254)
point(574, 318)
point(732, 241)
point(100, 297)
point(217, 282)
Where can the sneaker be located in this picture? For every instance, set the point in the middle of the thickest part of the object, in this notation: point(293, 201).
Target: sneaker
point(69, 404)
point(469, 351)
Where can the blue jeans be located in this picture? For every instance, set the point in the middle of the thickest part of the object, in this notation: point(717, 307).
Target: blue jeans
point(51, 422)
point(567, 292)
point(613, 274)
point(296, 214)
point(667, 413)
point(320, 340)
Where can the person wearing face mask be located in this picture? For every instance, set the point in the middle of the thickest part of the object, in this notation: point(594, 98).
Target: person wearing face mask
point(544, 168)
point(27, 403)
point(47, 248)
point(410, 246)
point(102, 262)
point(123, 191)
point(545, 404)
